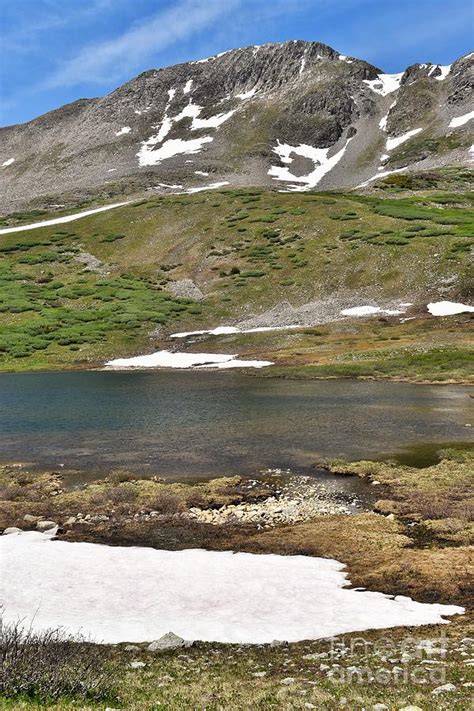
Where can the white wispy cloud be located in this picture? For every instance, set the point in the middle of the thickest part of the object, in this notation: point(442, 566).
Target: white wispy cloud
point(23, 34)
point(100, 62)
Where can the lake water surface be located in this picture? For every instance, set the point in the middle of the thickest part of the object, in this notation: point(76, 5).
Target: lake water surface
point(194, 424)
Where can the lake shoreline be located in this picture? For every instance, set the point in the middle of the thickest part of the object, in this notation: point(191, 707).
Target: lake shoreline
point(242, 371)
point(235, 513)
point(392, 548)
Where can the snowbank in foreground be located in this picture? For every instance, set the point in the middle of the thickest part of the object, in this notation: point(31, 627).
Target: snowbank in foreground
point(116, 594)
point(167, 359)
point(448, 308)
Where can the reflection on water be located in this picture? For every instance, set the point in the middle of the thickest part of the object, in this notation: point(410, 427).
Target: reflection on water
point(191, 424)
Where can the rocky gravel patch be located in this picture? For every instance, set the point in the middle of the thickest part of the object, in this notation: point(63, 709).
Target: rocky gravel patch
point(300, 499)
point(185, 289)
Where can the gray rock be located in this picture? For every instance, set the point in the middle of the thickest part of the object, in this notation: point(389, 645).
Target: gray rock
point(445, 689)
point(11, 529)
point(45, 525)
point(170, 640)
point(31, 519)
point(137, 665)
point(131, 648)
point(185, 288)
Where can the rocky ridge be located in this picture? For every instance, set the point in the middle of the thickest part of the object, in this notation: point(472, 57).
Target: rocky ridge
point(292, 116)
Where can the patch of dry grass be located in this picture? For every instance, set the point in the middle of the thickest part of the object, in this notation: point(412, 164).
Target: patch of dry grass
point(441, 492)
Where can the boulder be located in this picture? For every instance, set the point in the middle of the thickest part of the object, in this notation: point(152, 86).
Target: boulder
point(445, 689)
point(11, 529)
point(29, 518)
point(45, 525)
point(170, 640)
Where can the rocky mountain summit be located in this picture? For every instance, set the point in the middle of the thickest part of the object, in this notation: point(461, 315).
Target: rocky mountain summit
point(292, 116)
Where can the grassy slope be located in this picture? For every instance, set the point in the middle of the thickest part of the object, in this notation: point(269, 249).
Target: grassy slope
point(246, 249)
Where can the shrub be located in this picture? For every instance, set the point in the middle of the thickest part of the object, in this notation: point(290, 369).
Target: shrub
point(297, 211)
point(45, 666)
point(120, 476)
point(11, 492)
point(123, 494)
point(166, 503)
point(252, 273)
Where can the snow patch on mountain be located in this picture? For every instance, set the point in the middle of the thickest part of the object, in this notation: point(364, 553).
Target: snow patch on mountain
point(448, 308)
point(211, 186)
point(247, 94)
point(229, 330)
point(319, 156)
point(149, 155)
point(8, 162)
point(381, 175)
point(444, 69)
point(360, 311)
point(211, 59)
point(303, 62)
point(123, 131)
point(384, 119)
point(211, 122)
point(64, 219)
point(398, 140)
point(461, 120)
point(385, 83)
point(187, 86)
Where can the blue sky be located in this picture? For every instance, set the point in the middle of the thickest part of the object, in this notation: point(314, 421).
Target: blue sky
point(56, 51)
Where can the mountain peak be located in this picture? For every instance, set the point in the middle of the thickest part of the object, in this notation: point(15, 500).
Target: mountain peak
point(295, 115)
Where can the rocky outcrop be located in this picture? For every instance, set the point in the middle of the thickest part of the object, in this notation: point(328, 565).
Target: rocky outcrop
point(167, 642)
point(219, 120)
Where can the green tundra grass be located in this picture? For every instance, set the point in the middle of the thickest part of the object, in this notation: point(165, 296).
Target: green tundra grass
point(74, 295)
